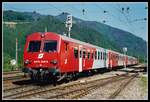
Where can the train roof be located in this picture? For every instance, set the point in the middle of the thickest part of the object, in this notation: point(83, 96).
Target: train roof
point(88, 44)
point(79, 42)
point(84, 43)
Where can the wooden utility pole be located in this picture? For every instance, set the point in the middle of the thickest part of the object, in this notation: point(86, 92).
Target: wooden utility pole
point(16, 52)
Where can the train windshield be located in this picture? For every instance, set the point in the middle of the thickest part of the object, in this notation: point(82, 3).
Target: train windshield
point(34, 46)
point(50, 46)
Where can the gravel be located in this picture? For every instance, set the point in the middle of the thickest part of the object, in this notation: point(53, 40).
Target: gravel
point(133, 91)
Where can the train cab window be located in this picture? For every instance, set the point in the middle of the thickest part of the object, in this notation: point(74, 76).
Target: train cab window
point(95, 54)
point(50, 46)
point(75, 52)
point(34, 46)
point(84, 54)
point(88, 55)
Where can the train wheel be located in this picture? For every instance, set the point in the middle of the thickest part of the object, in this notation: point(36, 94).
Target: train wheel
point(66, 80)
point(74, 76)
point(54, 80)
point(32, 76)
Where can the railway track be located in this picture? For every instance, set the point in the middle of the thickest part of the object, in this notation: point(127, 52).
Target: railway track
point(64, 91)
point(13, 78)
point(82, 91)
point(10, 77)
point(11, 85)
point(121, 87)
point(11, 72)
point(140, 65)
point(8, 82)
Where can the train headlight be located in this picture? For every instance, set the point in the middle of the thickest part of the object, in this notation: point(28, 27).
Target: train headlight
point(26, 61)
point(54, 61)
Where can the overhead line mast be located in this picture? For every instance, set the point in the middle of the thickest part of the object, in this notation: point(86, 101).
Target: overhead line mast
point(69, 24)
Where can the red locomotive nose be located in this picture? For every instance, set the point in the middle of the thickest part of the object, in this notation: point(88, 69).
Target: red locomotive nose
point(41, 50)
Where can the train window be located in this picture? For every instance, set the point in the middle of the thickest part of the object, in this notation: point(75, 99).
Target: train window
point(101, 55)
point(98, 54)
point(75, 53)
point(66, 46)
point(95, 54)
point(88, 55)
point(84, 54)
point(104, 57)
point(50, 46)
point(34, 46)
point(80, 54)
point(92, 55)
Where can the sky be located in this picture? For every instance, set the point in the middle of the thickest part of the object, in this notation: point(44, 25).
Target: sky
point(128, 16)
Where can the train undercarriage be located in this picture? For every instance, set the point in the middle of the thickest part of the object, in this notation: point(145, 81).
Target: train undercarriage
point(49, 75)
point(53, 75)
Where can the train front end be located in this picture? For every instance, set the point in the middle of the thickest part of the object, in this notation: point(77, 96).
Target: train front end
point(41, 60)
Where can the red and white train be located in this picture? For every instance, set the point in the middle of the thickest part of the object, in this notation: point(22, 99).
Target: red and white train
point(49, 55)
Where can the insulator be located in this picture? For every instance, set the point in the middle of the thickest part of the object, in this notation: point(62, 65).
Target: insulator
point(104, 21)
point(145, 19)
point(122, 9)
point(105, 11)
point(83, 11)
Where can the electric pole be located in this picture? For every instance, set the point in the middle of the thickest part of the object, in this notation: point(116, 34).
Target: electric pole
point(45, 29)
point(125, 50)
point(16, 52)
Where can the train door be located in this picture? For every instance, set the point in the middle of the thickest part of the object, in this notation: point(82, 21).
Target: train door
point(107, 58)
point(75, 59)
point(104, 57)
point(65, 57)
point(89, 60)
point(83, 59)
point(80, 58)
point(110, 60)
